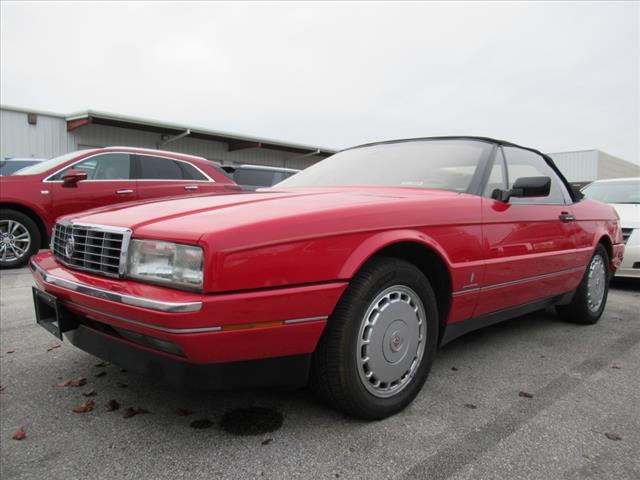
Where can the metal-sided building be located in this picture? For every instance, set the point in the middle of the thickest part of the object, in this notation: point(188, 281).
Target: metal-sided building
point(29, 133)
point(585, 166)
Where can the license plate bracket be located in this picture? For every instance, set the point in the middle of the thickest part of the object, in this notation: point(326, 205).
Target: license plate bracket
point(50, 315)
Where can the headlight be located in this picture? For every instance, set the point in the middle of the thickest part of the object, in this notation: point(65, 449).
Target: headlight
point(174, 264)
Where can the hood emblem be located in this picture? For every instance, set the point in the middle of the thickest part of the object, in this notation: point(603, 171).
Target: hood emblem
point(70, 246)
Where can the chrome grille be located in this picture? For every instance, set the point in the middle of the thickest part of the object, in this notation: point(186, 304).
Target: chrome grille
point(91, 248)
point(626, 233)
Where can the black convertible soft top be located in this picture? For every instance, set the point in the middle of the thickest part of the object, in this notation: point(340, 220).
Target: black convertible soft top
point(575, 194)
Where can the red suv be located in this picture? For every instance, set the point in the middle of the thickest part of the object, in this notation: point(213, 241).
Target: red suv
point(32, 199)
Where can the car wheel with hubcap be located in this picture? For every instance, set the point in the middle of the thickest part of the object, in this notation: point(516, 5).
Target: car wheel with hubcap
point(590, 297)
point(379, 343)
point(19, 239)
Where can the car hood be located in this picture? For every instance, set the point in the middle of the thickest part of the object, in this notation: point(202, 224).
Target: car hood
point(270, 214)
point(629, 214)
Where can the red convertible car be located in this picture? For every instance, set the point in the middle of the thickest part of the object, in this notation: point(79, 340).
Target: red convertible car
point(32, 198)
point(348, 275)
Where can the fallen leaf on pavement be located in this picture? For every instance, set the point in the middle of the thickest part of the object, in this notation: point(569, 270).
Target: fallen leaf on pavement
point(471, 406)
point(101, 374)
point(525, 394)
point(84, 408)
point(133, 411)
point(613, 436)
point(90, 393)
point(13, 350)
point(201, 424)
point(112, 405)
point(617, 366)
point(2, 387)
point(184, 412)
point(55, 345)
point(455, 369)
point(101, 364)
point(74, 383)
point(267, 441)
point(20, 434)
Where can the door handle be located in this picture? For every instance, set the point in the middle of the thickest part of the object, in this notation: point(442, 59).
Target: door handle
point(124, 192)
point(191, 187)
point(567, 217)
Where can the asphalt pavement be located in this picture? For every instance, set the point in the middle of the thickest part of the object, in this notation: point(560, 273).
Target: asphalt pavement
point(530, 398)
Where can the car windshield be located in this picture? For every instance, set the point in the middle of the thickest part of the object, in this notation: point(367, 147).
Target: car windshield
point(47, 165)
point(11, 167)
point(614, 192)
point(441, 164)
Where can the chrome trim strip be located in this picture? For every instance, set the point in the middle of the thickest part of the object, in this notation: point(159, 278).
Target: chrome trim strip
point(178, 330)
point(158, 305)
point(73, 164)
point(520, 280)
point(94, 226)
point(146, 325)
point(466, 290)
point(302, 320)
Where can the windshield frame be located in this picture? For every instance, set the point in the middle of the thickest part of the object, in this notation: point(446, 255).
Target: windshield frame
point(475, 186)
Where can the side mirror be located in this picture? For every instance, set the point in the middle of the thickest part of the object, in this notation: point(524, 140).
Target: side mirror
point(73, 176)
point(526, 187)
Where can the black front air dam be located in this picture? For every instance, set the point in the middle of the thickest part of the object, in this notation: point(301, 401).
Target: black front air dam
point(291, 371)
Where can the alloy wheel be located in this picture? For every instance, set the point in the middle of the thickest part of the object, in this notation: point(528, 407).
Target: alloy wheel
point(596, 283)
point(15, 241)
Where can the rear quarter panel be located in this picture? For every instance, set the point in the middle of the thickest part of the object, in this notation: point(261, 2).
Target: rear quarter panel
point(595, 221)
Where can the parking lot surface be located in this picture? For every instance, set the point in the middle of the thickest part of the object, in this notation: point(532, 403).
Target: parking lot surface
point(530, 398)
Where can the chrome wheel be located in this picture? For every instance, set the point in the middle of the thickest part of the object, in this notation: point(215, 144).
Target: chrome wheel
point(15, 241)
point(391, 341)
point(596, 283)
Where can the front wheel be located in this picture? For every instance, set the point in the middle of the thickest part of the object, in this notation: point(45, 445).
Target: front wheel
point(19, 239)
point(590, 297)
point(379, 344)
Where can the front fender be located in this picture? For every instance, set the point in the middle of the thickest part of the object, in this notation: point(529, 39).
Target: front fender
point(379, 241)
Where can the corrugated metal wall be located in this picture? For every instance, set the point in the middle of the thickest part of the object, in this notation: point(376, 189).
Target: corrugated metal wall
point(49, 138)
point(590, 165)
point(579, 166)
point(614, 167)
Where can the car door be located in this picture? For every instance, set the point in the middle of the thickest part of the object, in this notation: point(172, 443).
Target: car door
point(108, 182)
point(529, 243)
point(166, 177)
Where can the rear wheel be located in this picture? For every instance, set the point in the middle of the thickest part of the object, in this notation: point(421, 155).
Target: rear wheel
point(19, 239)
point(591, 296)
point(377, 349)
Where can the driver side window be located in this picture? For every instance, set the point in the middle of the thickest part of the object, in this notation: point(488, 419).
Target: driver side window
point(108, 166)
point(525, 163)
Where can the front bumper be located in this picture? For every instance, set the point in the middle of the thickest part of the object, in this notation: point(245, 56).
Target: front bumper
point(630, 266)
point(207, 328)
point(290, 371)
